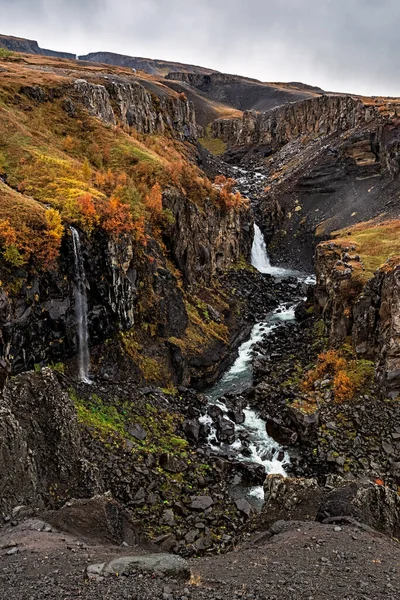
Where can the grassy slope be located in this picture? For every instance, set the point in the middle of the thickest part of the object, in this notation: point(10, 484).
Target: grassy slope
point(375, 242)
point(48, 159)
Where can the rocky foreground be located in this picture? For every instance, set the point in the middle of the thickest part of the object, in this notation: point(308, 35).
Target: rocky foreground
point(295, 560)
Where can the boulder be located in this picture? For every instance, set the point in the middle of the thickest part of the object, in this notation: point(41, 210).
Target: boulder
point(161, 564)
point(201, 503)
point(225, 431)
point(280, 433)
point(374, 505)
point(100, 519)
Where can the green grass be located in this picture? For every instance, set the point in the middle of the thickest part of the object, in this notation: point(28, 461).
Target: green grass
point(214, 145)
point(4, 53)
point(109, 422)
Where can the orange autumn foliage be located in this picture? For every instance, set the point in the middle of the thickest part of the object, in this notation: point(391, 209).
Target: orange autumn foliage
point(349, 374)
point(89, 217)
point(153, 201)
point(8, 235)
point(226, 196)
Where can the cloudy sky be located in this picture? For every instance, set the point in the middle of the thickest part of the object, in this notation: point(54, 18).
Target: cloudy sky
point(340, 45)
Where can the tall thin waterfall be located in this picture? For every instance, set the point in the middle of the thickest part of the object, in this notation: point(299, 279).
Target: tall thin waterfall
point(259, 255)
point(81, 310)
point(260, 259)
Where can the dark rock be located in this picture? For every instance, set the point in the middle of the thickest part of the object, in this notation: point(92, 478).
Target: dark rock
point(201, 503)
point(225, 431)
point(192, 429)
point(237, 416)
point(281, 434)
point(137, 432)
point(244, 506)
point(374, 505)
point(172, 464)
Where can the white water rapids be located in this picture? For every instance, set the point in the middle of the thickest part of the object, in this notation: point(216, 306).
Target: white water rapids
point(81, 310)
point(263, 449)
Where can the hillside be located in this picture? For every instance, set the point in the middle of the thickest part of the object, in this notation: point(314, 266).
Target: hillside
point(16, 44)
point(242, 93)
point(148, 65)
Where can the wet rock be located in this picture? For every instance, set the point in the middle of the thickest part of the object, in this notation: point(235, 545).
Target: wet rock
point(237, 416)
point(225, 431)
point(281, 434)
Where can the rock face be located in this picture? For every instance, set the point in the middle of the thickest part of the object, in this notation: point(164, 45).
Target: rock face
point(370, 313)
point(40, 444)
point(316, 116)
point(205, 242)
point(137, 107)
point(38, 322)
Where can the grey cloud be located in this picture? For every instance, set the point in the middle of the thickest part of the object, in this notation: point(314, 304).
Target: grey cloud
point(343, 45)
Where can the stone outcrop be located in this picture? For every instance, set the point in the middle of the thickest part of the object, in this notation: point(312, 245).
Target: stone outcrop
point(364, 504)
point(312, 117)
point(40, 445)
point(131, 104)
point(369, 312)
point(207, 240)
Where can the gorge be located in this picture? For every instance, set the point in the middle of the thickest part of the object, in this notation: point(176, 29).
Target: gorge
point(175, 379)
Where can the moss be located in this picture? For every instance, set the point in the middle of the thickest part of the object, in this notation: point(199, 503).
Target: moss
point(214, 145)
point(108, 422)
point(152, 369)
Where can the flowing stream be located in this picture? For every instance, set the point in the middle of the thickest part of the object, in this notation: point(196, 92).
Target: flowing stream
point(81, 310)
point(262, 449)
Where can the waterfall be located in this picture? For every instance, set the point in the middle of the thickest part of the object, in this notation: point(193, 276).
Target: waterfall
point(81, 310)
point(259, 255)
point(260, 259)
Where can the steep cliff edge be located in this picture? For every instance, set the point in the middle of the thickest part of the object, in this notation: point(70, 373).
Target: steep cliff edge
point(311, 117)
point(328, 162)
point(358, 301)
point(113, 156)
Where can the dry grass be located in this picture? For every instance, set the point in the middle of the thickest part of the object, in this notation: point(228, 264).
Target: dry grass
point(375, 242)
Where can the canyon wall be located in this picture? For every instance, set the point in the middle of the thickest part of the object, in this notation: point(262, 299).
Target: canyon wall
point(368, 311)
point(133, 105)
point(312, 117)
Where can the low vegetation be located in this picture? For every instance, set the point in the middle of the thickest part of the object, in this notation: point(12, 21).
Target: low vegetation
point(341, 369)
point(375, 242)
point(56, 170)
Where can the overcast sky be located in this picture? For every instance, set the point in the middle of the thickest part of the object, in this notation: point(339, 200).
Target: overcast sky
point(340, 45)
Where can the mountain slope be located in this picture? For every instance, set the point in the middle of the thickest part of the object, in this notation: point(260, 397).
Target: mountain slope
point(148, 65)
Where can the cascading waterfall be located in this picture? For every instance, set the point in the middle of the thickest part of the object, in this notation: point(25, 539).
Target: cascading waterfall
point(260, 259)
point(264, 450)
point(81, 310)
